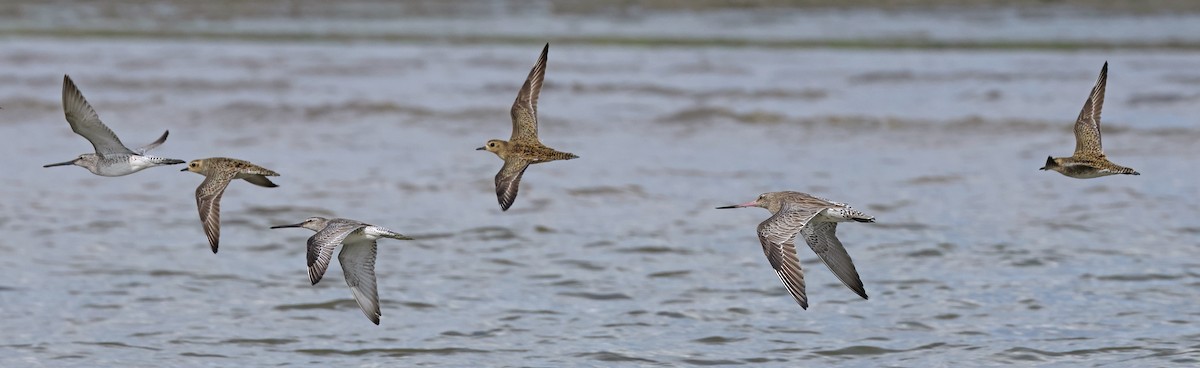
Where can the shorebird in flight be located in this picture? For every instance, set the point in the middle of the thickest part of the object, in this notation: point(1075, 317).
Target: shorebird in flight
point(815, 218)
point(357, 256)
point(523, 148)
point(1089, 160)
point(219, 172)
point(112, 158)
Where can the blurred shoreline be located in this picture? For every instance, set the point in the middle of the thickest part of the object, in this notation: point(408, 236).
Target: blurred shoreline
point(987, 25)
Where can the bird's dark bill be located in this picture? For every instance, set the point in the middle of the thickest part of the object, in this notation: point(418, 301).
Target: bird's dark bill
point(60, 164)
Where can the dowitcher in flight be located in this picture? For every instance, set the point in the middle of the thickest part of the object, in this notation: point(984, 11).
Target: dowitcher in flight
point(218, 172)
point(1089, 160)
point(815, 218)
point(357, 256)
point(112, 158)
point(523, 148)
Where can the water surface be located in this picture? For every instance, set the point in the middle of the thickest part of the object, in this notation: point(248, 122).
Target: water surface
point(617, 258)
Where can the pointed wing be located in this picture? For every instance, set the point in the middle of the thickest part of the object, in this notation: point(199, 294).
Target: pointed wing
point(524, 109)
point(822, 238)
point(260, 180)
point(1087, 126)
point(508, 180)
point(358, 263)
point(143, 149)
point(85, 122)
point(321, 244)
point(208, 201)
point(777, 235)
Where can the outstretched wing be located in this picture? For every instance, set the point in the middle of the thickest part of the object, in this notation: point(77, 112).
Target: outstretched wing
point(524, 109)
point(508, 180)
point(85, 122)
point(143, 149)
point(822, 238)
point(358, 263)
point(1087, 126)
point(321, 244)
point(208, 201)
point(777, 235)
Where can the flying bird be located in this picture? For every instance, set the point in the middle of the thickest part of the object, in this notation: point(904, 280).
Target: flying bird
point(219, 172)
point(816, 219)
point(1089, 160)
point(523, 148)
point(112, 158)
point(357, 256)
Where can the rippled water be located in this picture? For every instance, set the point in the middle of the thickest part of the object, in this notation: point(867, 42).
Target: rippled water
point(617, 258)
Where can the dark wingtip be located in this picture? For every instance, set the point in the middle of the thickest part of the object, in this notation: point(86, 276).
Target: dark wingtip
point(1049, 163)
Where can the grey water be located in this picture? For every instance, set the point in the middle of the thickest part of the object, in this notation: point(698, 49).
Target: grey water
point(617, 258)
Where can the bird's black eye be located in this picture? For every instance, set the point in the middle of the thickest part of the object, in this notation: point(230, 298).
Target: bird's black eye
point(491, 144)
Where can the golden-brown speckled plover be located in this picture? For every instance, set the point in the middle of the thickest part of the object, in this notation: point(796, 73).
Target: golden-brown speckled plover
point(815, 218)
point(1089, 160)
point(524, 147)
point(112, 158)
point(218, 172)
point(357, 257)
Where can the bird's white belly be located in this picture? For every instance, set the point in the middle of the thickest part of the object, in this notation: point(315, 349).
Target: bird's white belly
point(117, 166)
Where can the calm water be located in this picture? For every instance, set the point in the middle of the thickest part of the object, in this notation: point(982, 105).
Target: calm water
point(617, 258)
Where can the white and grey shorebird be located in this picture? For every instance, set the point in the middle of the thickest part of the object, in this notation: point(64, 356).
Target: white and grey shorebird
point(357, 256)
point(814, 218)
point(112, 158)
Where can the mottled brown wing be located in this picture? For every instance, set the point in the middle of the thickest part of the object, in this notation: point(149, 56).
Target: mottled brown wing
point(508, 180)
point(822, 238)
point(208, 201)
point(1087, 126)
point(777, 235)
point(524, 109)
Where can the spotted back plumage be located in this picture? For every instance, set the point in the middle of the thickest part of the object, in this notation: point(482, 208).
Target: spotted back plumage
point(218, 173)
point(1089, 161)
point(523, 148)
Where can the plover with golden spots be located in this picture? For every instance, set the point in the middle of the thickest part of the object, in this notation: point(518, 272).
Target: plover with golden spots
point(112, 158)
point(357, 256)
point(815, 218)
point(218, 172)
point(524, 147)
point(1089, 160)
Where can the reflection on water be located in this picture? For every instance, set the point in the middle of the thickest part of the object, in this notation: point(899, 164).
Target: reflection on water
point(617, 258)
